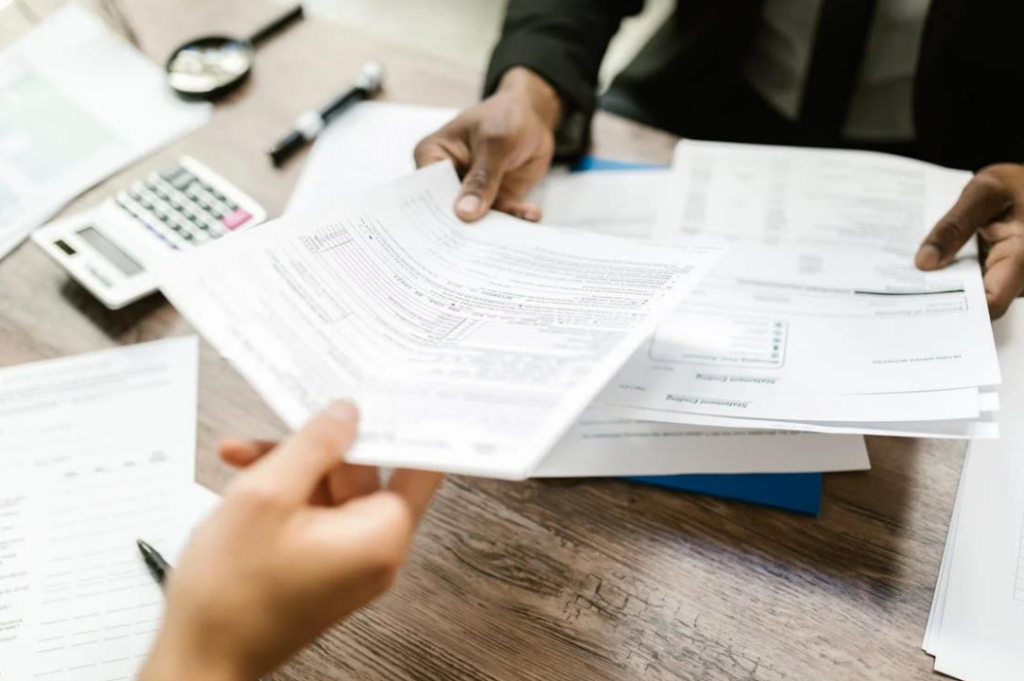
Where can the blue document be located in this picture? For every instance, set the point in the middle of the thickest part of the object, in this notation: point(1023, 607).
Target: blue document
point(800, 492)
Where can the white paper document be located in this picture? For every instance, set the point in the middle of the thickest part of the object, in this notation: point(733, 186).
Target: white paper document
point(619, 202)
point(96, 451)
point(807, 197)
point(976, 628)
point(371, 145)
point(469, 348)
point(601, 443)
point(984, 428)
point(810, 317)
point(66, 124)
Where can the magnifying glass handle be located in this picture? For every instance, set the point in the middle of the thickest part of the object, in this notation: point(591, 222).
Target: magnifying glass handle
point(277, 25)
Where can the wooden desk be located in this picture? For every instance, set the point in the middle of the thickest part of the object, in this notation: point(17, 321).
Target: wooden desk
point(588, 579)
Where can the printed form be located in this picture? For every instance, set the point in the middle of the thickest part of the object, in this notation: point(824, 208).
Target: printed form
point(64, 125)
point(469, 348)
point(95, 451)
point(811, 299)
point(976, 628)
point(602, 443)
point(374, 144)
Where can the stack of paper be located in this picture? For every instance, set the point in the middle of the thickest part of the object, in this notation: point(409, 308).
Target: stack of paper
point(96, 451)
point(66, 123)
point(373, 144)
point(976, 626)
point(817, 319)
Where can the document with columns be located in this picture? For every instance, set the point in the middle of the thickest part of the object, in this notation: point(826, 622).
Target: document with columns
point(469, 348)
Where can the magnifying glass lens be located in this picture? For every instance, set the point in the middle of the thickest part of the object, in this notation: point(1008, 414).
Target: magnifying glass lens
point(201, 68)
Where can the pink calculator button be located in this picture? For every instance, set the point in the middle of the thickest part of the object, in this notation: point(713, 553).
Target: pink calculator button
point(236, 219)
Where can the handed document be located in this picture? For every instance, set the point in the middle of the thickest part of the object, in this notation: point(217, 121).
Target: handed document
point(95, 451)
point(65, 124)
point(469, 348)
point(817, 315)
point(373, 145)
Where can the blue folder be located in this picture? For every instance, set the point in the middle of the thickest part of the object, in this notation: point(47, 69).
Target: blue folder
point(800, 492)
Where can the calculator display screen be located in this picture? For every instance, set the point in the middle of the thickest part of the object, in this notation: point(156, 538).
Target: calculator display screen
point(109, 250)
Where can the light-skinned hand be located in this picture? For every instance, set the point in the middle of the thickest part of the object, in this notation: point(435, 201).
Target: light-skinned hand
point(301, 540)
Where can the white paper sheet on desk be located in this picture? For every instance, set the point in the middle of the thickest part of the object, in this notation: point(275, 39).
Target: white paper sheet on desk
point(977, 627)
point(818, 296)
point(807, 197)
point(602, 443)
point(618, 202)
point(77, 103)
point(95, 452)
point(370, 145)
point(933, 630)
point(788, 320)
point(983, 428)
point(469, 348)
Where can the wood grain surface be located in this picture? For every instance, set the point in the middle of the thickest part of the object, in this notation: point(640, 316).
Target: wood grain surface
point(586, 579)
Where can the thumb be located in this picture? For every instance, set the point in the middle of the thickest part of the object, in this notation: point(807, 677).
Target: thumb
point(984, 199)
point(482, 183)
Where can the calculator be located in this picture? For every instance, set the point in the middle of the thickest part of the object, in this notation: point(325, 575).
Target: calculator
point(106, 248)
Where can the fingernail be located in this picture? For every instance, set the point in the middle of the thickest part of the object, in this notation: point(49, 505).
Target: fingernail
point(343, 411)
point(928, 257)
point(531, 213)
point(468, 205)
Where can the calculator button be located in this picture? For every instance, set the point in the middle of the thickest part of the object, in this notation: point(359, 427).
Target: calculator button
point(180, 178)
point(236, 219)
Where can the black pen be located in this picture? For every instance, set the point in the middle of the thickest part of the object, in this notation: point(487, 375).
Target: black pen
point(158, 566)
point(310, 124)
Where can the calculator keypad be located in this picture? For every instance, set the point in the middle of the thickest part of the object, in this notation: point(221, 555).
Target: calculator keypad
point(181, 208)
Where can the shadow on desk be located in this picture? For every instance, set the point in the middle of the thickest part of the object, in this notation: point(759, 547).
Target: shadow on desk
point(116, 324)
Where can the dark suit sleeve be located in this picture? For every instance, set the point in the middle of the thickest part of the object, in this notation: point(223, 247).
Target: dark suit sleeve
point(563, 41)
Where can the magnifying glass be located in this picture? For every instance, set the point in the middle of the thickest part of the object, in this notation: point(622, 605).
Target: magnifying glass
point(210, 67)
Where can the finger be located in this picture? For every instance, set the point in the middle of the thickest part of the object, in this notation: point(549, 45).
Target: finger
point(431, 150)
point(1004, 278)
point(482, 182)
point(295, 468)
point(523, 211)
point(369, 534)
point(349, 481)
point(984, 199)
point(243, 453)
point(416, 487)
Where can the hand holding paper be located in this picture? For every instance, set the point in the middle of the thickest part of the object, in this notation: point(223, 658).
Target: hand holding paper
point(301, 540)
point(992, 206)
